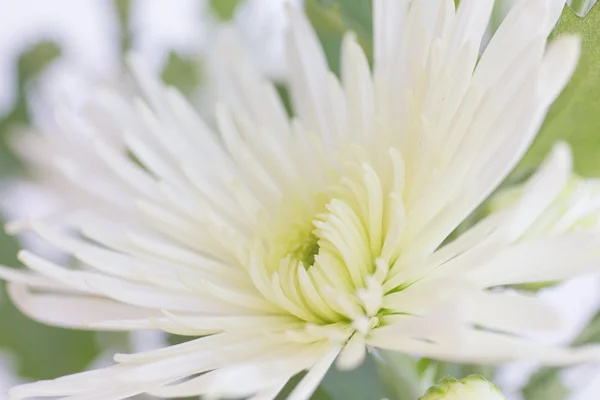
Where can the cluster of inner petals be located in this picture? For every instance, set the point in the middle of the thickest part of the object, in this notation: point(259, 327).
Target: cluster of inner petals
point(326, 256)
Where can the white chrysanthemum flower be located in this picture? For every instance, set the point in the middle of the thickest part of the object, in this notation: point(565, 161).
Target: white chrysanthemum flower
point(285, 246)
point(473, 387)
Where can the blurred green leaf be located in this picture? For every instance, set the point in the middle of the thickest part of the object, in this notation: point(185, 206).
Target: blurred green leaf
point(34, 60)
point(401, 375)
point(331, 19)
point(182, 73)
point(591, 333)
point(358, 15)
point(545, 384)
point(224, 9)
point(360, 383)
point(575, 115)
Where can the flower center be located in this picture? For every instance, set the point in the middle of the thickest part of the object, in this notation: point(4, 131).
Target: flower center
point(324, 256)
point(306, 251)
point(292, 236)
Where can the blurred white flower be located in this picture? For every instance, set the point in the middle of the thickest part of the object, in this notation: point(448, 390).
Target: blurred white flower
point(262, 32)
point(260, 28)
point(577, 207)
point(287, 245)
point(473, 387)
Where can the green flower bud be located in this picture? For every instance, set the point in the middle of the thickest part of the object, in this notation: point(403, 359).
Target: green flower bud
point(473, 387)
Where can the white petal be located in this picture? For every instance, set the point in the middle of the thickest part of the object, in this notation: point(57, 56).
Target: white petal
point(243, 88)
point(127, 292)
point(553, 15)
point(492, 348)
point(513, 312)
point(522, 26)
point(311, 380)
point(27, 278)
point(441, 325)
point(472, 17)
point(308, 74)
point(72, 311)
point(353, 353)
point(484, 347)
point(356, 77)
point(195, 345)
point(541, 189)
point(270, 393)
point(388, 22)
point(423, 296)
point(205, 359)
point(84, 383)
point(558, 65)
point(545, 259)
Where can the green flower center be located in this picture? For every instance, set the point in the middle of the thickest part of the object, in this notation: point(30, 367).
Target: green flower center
point(306, 250)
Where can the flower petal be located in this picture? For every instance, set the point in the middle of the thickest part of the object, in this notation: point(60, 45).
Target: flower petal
point(72, 311)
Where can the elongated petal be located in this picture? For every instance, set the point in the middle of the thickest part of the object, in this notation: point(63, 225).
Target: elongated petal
point(72, 311)
point(552, 258)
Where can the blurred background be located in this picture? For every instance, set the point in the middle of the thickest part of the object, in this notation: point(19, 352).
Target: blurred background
point(61, 50)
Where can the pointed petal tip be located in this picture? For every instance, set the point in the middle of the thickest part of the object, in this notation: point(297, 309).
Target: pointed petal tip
point(561, 152)
point(568, 42)
point(24, 256)
point(559, 64)
point(17, 226)
point(353, 353)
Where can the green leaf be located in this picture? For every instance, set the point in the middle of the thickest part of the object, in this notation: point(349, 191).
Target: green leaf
point(224, 9)
point(575, 115)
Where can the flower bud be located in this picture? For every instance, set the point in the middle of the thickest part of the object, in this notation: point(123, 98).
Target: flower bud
point(473, 387)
